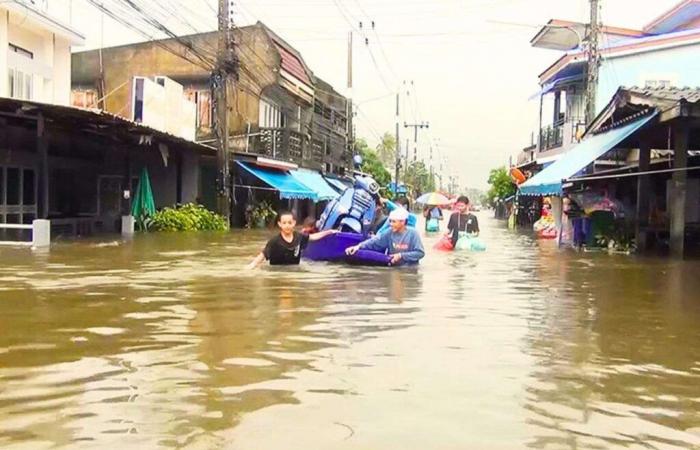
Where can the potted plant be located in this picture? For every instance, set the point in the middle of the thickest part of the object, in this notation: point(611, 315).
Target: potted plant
point(262, 214)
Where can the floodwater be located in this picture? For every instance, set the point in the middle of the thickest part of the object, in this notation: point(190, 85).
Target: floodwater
point(167, 342)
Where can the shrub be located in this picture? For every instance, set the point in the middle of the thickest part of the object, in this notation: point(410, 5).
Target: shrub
point(189, 217)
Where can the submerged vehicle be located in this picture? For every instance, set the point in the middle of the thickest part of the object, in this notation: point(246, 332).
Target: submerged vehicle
point(352, 214)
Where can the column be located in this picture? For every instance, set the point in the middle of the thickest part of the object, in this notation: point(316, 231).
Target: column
point(678, 189)
point(643, 196)
point(42, 143)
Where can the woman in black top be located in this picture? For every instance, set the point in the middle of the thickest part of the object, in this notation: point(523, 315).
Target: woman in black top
point(286, 247)
point(462, 220)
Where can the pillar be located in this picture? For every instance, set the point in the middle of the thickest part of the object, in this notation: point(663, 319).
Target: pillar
point(41, 233)
point(128, 226)
point(643, 196)
point(557, 107)
point(42, 150)
point(678, 189)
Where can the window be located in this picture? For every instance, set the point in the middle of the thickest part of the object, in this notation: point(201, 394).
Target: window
point(20, 84)
point(271, 116)
point(138, 99)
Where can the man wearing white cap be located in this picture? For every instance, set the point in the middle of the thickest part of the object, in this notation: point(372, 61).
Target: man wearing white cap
point(402, 243)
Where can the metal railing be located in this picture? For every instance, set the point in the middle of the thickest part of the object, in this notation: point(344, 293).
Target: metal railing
point(41, 233)
point(552, 136)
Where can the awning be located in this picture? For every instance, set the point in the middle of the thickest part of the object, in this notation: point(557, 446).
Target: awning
point(549, 181)
point(315, 182)
point(340, 185)
point(288, 186)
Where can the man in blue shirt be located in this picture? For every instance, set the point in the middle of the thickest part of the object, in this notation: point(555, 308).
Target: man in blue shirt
point(402, 243)
point(391, 206)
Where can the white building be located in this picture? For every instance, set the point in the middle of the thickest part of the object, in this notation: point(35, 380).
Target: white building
point(35, 53)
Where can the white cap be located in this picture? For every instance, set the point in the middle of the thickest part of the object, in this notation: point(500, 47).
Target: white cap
point(398, 214)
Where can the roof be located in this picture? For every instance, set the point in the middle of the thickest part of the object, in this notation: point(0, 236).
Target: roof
point(627, 47)
point(291, 59)
point(567, 35)
point(36, 16)
point(674, 19)
point(630, 101)
point(94, 122)
point(550, 180)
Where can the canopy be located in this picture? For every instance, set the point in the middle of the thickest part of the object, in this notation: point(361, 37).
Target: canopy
point(549, 181)
point(316, 182)
point(338, 184)
point(288, 186)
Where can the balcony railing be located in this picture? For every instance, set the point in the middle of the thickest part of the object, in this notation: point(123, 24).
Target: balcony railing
point(287, 145)
point(552, 137)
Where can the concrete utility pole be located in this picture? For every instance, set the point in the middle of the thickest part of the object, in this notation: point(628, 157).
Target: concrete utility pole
point(227, 69)
point(593, 61)
point(397, 150)
point(415, 127)
point(350, 117)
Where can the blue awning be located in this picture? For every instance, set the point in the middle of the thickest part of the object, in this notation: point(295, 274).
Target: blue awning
point(340, 185)
point(287, 185)
point(315, 182)
point(549, 181)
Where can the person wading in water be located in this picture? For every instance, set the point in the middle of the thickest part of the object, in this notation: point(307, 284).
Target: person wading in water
point(285, 248)
point(402, 243)
point(462, 221)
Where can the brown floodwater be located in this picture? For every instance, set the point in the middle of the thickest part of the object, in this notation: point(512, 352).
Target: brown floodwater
point(167, 342)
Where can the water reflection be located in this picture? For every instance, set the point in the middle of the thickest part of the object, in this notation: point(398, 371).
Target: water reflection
point(165, 342)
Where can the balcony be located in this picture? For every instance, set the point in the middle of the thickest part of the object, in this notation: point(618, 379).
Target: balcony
point(287, 145)
point(552, 137)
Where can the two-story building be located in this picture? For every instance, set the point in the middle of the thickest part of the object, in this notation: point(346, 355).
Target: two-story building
point(78, 167)
point(35, 54)
point(635, 164)
point(280, 110)
point(661, 54)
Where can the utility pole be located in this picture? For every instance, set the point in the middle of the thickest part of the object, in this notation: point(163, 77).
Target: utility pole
point(397, 150)
point(349, 112)
point(415, 127)
point(593, 61)
point(227, 68)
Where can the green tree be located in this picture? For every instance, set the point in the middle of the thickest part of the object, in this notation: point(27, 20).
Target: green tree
point(502, 185)
point(419, 178)
point(386, 150)
point(371, 164)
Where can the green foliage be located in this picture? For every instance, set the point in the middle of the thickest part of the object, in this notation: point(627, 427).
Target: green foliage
point(189, 217)
point(261, 213)
point(419, 178)
point(387, 150)
point(501, 185)
point(371, 164)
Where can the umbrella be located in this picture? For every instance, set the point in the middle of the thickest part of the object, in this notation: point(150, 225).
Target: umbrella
point(433, 198)
point(143, 206)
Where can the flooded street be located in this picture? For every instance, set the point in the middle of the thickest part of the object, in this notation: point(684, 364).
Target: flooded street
point(167, 342)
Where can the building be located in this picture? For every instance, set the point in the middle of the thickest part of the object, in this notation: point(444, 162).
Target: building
point(77, 167)
point(282, 117)
point(35, 54)
point(659, 55)
point(281, 111)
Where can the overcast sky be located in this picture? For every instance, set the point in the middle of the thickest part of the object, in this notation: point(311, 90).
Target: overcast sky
point(472, 68)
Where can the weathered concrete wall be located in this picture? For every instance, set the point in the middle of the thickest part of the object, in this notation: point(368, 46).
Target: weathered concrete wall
point(258, 70)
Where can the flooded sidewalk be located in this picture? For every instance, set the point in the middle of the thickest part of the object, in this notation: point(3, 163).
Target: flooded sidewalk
point(167, 342)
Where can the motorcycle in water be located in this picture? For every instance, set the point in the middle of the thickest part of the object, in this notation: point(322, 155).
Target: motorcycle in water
point(352, 214)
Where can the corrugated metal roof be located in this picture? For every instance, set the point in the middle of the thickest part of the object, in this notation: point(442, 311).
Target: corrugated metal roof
point(672, 94)
point(94, 121)
point(292, 64)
